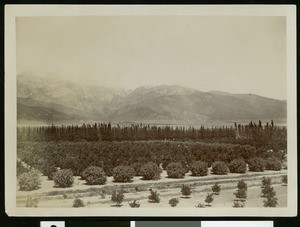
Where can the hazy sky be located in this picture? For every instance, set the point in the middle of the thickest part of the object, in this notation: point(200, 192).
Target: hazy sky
point(234, 54)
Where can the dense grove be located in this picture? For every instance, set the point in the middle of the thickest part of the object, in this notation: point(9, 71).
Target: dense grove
point(77, 156)
point(224, 149)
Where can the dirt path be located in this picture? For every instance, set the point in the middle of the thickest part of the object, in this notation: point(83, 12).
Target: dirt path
point(224, 199)
point(168, 188)
point(48, 185)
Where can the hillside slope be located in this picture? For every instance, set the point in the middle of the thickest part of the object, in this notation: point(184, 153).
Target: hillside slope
point(47, 100)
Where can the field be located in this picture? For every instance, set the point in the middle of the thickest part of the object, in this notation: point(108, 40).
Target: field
point(90, 166)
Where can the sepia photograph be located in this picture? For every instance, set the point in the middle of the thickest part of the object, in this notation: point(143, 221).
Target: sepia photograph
point(150, 110)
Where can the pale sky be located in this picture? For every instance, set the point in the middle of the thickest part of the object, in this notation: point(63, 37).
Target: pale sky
point(235, 54)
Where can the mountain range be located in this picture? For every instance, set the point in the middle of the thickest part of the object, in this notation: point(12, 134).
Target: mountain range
point(46, 100)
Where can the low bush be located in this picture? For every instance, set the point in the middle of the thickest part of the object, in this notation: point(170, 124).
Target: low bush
point(270, 202)
point(199, 168)
point(173, 202)
point(123, 173)
point(216, 188)
point(78, 203)
point(200, 205)
point(268, 191)
point(238, 166)
point(134, 204)
point(209, 198)
point(150, 171)
point(94, 175)
point(186, 190)
point(219, 168)
point(29, 181)
point(63, 178)
point(273, 164)
point(242, 185)
point(153, 197)
point(256, 164)
point(175, 170)
point(241, 194)
point(117, 197)
point(265, 181)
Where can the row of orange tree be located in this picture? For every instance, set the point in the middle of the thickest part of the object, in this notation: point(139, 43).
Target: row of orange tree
point(77, 156)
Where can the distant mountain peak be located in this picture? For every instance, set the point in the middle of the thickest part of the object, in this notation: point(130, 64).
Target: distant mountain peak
point(163, 89)
point(218, 92)
point(41, 97)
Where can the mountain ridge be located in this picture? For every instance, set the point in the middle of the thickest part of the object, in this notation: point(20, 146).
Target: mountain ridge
point(60, 100)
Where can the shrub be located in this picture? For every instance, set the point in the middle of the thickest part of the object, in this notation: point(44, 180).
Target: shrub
point(270, 202)
point(123, 173)
point(134, 204)
point(153, 197)
point(268, 191)
point(219, 168)
point(209, 198)
point(199, 168)
point(175, 170)
point(241, 194)
point(117, 197)
point(265, 181)
point(63, 178)
point(242, 185)
point(284, 179)
point(273, 164)
point(94, 175)
point(30, 202)
point(150, 171)
point(173, 202)
point(186, 190)
point(256, 165)
point(78, 203)
point(238, 166)
point(200, 205)
point(216, 188)
point(29, 181)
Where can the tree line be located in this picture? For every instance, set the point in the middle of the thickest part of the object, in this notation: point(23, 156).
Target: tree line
point(256, 134)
